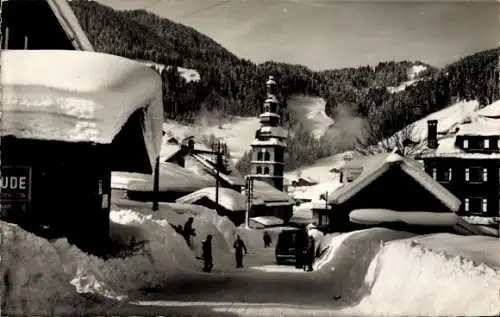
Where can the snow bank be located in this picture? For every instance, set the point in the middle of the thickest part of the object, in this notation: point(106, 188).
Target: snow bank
point(33, 281)
point(433, 284)
point(163, 255)
point(345, 261)
point(380, 272)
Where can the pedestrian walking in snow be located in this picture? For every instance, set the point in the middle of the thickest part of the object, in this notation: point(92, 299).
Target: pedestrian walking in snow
point(188, 231)
point(267, 239)
point(310, 254)
point(207, 254)
point(239, 247)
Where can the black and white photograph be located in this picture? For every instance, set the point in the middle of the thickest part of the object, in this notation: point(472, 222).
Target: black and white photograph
point(250, 158)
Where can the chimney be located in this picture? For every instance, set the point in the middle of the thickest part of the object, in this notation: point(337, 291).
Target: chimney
point(432, 134)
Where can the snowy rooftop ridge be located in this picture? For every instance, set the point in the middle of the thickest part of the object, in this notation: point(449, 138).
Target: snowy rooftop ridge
point(228, 198)
point(409, 167)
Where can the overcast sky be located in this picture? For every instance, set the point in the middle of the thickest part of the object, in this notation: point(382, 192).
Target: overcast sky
point(332, 34)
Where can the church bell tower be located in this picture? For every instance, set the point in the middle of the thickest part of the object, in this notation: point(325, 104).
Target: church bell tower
point(268, 148)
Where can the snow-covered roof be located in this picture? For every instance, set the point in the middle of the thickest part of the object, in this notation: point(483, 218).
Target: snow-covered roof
point(228, 198)
point(409, 167)
point(234, 180)
point(172, 178)
point(78, 96)
point(168, 151)
point(490, 111)
point(69, 22)
point(480, 128)
point(267, 221)
point(478, 125)
point(271, 141)
point(262, 191)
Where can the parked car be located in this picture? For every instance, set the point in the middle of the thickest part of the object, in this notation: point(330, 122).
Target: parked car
point(288, 241)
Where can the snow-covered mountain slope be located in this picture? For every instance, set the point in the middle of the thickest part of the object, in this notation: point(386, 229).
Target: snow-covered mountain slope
point(237, 133)
point(413, 73)
point(312, 111)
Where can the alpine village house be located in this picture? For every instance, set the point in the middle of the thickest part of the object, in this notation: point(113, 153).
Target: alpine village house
point(466, 161)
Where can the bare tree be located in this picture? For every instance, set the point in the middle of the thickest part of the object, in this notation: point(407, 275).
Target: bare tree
point(405, 140)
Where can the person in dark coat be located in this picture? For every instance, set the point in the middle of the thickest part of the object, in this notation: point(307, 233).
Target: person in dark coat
point(188, 231)
point(207, 254)
point(300, 246)
point(239, 247)
point(310, 254)
point(267, 239)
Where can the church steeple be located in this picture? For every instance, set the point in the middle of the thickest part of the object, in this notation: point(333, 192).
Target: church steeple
point(269, 145)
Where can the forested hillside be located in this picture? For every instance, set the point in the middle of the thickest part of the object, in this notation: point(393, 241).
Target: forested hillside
point(235, 86)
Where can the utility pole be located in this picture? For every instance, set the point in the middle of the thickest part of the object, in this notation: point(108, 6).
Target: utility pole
point(249, 190)
point(217, 167)
point(156, 185)
point(326, 200)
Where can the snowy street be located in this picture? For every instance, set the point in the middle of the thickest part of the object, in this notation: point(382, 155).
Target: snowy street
point(263, 290)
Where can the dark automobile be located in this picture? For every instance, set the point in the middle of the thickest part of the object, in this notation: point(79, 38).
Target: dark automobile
point(288, 242)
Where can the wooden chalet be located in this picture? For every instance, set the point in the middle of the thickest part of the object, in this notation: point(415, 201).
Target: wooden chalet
point(41, 25)
point(466, 160)
point(68, 119)
point(395, 183)
point(303, 181)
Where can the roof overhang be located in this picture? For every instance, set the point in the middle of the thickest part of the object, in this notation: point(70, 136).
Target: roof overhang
point(79, 96)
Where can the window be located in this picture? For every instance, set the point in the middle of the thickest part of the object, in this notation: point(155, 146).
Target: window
point(259, 156)
point(259, 170)
point(485, 205)
point(266, 170)
point(476, 174)
point(466, 144)
point(324, 220)
point(267, 156)
point(442, 174)
point(476, 205)
point(486, 143)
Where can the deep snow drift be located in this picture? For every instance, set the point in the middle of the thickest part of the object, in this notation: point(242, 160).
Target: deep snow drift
point(45, 277)
point(33, 279)
point(385, 272)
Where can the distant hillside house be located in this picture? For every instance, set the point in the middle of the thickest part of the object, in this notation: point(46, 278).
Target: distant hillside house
point(395, 183)
point(304, 181)
point(467, 161)
point(41, 25)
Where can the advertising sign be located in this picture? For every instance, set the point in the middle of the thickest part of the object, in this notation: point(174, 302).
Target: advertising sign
point(15, 184)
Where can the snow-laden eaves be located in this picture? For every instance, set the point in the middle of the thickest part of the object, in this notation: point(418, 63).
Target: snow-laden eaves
point(78, 96)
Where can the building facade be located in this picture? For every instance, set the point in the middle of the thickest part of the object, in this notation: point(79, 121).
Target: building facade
point(268, 148)
point(467, 163)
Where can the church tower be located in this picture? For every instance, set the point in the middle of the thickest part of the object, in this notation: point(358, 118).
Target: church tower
point(268, 148)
